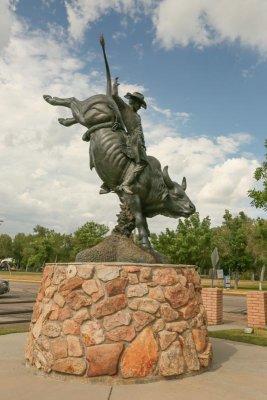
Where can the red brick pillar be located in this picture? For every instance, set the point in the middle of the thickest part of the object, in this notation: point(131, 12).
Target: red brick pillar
point(257, 309)
point(213, 303)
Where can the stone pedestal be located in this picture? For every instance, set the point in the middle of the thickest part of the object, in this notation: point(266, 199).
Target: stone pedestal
point(119, 321)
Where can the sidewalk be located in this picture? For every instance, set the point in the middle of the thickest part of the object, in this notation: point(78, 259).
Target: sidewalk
point(239, 371)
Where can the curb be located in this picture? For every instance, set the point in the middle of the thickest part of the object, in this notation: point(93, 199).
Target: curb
point(237, 292)
point(22, 280)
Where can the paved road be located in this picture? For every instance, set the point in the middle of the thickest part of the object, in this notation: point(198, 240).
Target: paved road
point(235, 310)
point(234, 303)
point(20, 299)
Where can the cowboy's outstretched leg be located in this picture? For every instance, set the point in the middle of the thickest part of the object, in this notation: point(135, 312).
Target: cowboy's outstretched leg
point(57, 101)
point(132, 176)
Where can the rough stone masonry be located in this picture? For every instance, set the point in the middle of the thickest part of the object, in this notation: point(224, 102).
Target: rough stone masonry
point(119, 320)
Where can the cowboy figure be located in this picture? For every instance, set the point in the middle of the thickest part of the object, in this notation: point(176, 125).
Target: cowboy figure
point(136, 149)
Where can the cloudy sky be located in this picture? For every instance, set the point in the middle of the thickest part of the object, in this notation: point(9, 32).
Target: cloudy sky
point(202, 66)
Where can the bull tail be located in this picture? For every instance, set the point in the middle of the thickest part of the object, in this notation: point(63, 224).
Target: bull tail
point(102, 43)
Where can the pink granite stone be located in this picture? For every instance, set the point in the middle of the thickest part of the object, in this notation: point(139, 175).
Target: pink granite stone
point(177, 295)
point(168, 313)
point(92, 333)
point(64, 313)
point(118, 319)
point(59, 348)
point(70, 284)
point(74, 346)
point(140, 356)
point(51, 329)
point(109, 306)
point(179, 326)
point(141, 319)
point(126, 333)
point(165, 276)
point(72, 366)
point(166, 338)
point(77, 300)
point(116, 286)
point(138, 290)
point(145, 274)
point(103, 359)
point(171, 361)
point(59, 299)
point(190, 310)
point(205, 358)
point(190, 353)
point(156, 293)
point(81, 315)
point(200, 339)
point(70, 327)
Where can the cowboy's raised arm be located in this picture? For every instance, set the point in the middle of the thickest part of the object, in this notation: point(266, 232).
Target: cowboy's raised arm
point(115, 95)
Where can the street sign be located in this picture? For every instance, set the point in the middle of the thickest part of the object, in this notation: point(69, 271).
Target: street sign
point(227, 282)
point(220, 273)
point(214, 257)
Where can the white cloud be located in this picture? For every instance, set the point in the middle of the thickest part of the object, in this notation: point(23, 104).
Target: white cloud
point(208, 22)
point(169, 114)
point(198, 22)
point(118, 35)
point(6, 18)
point(139, 49)
point(82, 13)
point(42, 180)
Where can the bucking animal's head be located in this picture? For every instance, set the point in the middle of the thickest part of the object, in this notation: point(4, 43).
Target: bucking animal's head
point(177, 203)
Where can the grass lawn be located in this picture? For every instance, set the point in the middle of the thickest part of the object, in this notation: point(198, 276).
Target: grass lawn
point(21, 275)
point(6, 331)
point(245, 285)
point(259, 337)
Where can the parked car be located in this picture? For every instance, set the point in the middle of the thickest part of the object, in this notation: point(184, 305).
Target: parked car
point(4, 266)
point(4, 286)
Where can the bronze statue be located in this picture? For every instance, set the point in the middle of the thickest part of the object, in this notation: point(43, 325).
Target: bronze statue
point(120, 160)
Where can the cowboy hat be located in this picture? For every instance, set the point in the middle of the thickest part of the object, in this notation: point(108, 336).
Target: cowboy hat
point(137, 96)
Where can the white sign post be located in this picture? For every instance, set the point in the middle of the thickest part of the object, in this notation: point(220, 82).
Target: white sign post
point(219, 273)
point(214, 261)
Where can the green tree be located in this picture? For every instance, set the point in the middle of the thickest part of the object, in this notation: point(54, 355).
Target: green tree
point(259, 197)
point(191, 243)
point(232, 242)
point(89, 235)
point(257, 245)
point(5, 246)
point(40, 252)
point(19, 245)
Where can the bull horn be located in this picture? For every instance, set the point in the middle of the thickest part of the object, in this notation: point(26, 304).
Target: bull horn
point(184, 184)
point(169, 183)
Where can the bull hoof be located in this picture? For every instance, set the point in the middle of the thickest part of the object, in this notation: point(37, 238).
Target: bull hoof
point(49, 99)
point(62, 121)
point(104, 191)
